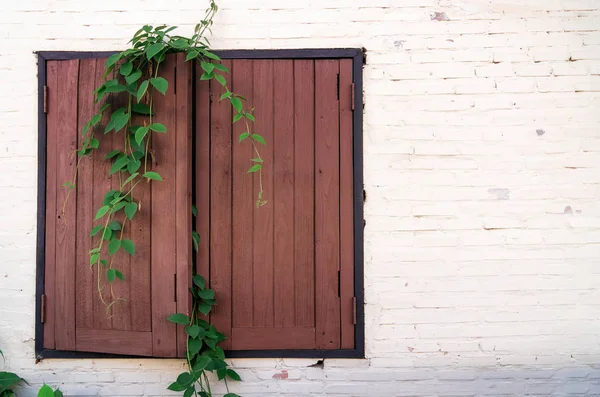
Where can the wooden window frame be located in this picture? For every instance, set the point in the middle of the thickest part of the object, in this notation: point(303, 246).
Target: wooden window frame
point(358, 58)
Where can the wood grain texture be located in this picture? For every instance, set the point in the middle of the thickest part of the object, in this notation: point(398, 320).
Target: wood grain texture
point(202, 155)
point(304, 192)
point(183, 193)
point(244, 196)
point(346, 207)
point(327, 204)
point(272, 338)
point(283, 194)
point(220, 212)
point(163, 226)
point(263, 308)
point(84, 285)
point(114, 341)
point(68, 73)
point(51, 205)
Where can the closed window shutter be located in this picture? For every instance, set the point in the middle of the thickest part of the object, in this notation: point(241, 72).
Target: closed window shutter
point(157, 276)
point(282, 273)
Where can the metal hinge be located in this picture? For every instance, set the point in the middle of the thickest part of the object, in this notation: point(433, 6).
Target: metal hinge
point(354, 310)
point(352, 96)
point(43, 314)
point(175, 287)
point(45, 99)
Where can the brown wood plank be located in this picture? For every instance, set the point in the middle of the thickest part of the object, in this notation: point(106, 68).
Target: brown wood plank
point(114, 341)
point(51, 186)
point(220, 224)
point(244, 196)
point(68, 72)
point(183, 195)
point(202, 156)
point(283, 193)
point(346, 206)
point(85, 188)
point(121, 310)
point(271, 338)
point(327, 204)
point(304, 192)
point(102, 184)
point(263, 217)
point(163, 241)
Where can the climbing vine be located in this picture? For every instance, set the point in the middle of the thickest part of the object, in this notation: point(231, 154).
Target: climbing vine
point(135, 72)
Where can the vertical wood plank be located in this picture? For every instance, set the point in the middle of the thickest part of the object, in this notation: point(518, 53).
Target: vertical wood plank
point(68, 73)
point(202, 157)
point(102, 184)
point(346, 207)
point(263, 216)
point(51, 187)
point(304, 192)
point(327, 204)
point(243, 204)
point(163, 219)
point(183, 195)
point(220, 224)
point(283, 193)
point(85, 210)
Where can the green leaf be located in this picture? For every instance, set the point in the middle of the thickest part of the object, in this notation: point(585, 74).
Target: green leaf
point(221, 80)
point(194, 346)
point(132, 89)
point(160, 84)
point(250, 117)
point(176, 387)
point(118, 206)
point(140, 108)
point(58, 393)
point(237, 117)
point(126, 68)
point(133, 166)
point(259, 139)
point(128, 246)
point(94, 258)
point(113, 59)
point(140, 134)
point(101, 212)
point(236, 103)
point(221, 67)
point(94, 143)
point(142, 90)
point(112, 154)
point(210, 55)
point(209, 67)
point(254, 168)
point(207, 76)
point(119, 164)
point(185, 379)
point(107, 234)
point(192, 330)
point(133, 77)
point(231, 395)
point(153, 175)
point(201, 363)
point(45, 391)
point(179, 318)
point(233, 375)
point(243, 136)
point(195, 240)
point(199, 281)
point(189, 392)
point(114, 246)
point(207, 294)
point(95, 230)
point(194, 210)
point(111, 274)
point(131, 177)
point(204, 308)
point(153, 49)
point(119, 275)
point(257, 160)
point(158, 127)
point(191, 55)
point(225, 95)
point(116, 88)
point(130, 210)
point(114, 225)
point(221, 373)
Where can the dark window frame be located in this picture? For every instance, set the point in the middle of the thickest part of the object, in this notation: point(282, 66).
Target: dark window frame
point(358, 57)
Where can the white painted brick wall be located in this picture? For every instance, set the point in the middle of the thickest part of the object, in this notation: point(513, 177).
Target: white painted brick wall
point(482, 171)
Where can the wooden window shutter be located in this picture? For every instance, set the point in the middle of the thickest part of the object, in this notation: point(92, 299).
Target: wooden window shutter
point(157, 276)
point(282, 273)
